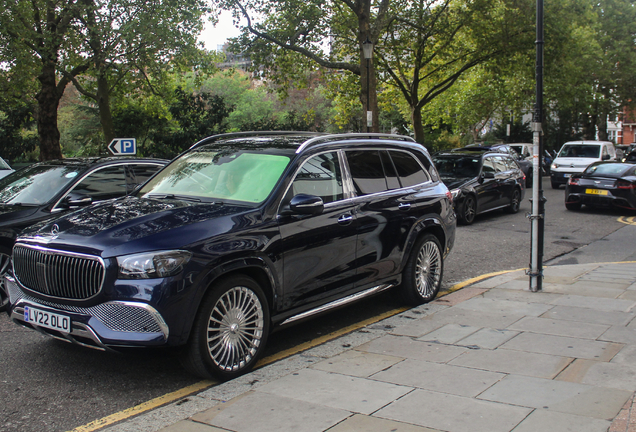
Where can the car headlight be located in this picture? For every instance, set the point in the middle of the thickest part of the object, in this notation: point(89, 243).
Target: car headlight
point(456, 193)
point(152, 265)
point(555, 165)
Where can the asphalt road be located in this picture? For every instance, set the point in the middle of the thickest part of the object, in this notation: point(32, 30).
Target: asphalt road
point(47, 385)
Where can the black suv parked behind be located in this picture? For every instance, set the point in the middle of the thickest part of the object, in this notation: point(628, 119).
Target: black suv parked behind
point(481, 182)
point(43, 190)
point(240, 233)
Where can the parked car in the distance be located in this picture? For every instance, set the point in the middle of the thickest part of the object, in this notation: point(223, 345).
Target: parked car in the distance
point(5, 169)
point(240, 233)
point(575, 156)
point(47, 189)
point(481, 182)
point(524, 164)
point(630, 157)
point(603, 184)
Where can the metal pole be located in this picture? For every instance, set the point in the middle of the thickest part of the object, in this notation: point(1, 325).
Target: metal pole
point(538, 201)
point(368, 97)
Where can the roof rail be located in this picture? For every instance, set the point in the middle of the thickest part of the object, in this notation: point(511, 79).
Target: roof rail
point(333, 137)
point(217, 137)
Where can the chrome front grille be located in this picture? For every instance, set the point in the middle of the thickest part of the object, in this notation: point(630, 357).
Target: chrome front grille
point(58, 274)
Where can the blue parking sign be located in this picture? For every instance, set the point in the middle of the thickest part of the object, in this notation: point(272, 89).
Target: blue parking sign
point(123, 146)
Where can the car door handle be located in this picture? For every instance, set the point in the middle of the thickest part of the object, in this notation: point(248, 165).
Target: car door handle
point(404, 206)
point(345, 219)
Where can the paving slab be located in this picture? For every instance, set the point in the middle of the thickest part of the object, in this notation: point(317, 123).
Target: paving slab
point(487, 338)
point(361, 423)
point(618, 334)
point(513, 362)
point(585, 289)
point(191, 426)
point(587, 315)
point(443, 378)
point(561, 396)
point(336, 391)
point(560, 327)
point(495, 281)
point(442, 411)
point(503, 307)
point(601, 304)
point(405, 347)
point(357, 363)
point(521, 295)
point(563, 346)
point(269, 412)
point(612, 375)
point(544, 420)
point(449, 334)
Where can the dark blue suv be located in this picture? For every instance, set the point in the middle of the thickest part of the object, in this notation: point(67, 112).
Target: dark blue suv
point(240, 233)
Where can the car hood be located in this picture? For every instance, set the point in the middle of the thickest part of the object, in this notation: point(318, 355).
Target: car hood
point(10, 214)
point(577, 162)
point(131, 225)
point(455, 183)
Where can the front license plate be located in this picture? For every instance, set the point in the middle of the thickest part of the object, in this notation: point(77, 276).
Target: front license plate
point(567, 175)
point(596, 192)
point(49, 320)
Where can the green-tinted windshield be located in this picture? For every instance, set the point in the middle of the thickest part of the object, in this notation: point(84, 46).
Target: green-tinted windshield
point(457, 167)
point(4, 165)
point(212, 175)
point(37, 184)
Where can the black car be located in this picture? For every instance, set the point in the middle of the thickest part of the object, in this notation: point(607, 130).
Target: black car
point(603, 184)
point(240, 233)
point(481, 182)
point(524, 164)
point(47, 189)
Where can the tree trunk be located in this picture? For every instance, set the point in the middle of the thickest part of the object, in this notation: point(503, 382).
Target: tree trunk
point(418, 128)
point(103, 102)
point(48, 101)
point(368, 81)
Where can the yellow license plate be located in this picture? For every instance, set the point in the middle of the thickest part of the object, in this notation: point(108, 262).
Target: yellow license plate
point(596, 192)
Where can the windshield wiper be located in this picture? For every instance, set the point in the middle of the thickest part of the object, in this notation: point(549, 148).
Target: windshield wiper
point(177, 197)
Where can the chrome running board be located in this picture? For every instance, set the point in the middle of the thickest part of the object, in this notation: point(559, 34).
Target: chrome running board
point(337, 303)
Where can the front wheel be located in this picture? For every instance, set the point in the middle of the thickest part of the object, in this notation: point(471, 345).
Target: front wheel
point(555, 185)
point(230, 330)
point(5, 264)
point(422, 277)
point(469, 210)
point(515, 202)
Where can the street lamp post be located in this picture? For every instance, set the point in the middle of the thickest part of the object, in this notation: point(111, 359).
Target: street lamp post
point(367, 51)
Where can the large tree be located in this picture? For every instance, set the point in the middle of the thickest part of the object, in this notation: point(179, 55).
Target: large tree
point(109, 43)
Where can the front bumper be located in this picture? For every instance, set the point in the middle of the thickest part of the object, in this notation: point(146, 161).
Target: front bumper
point(106, 326)
point(561, 177)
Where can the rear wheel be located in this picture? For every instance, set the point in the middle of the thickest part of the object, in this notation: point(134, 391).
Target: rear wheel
point(230, 330)
point(422, 275)
point(555, 185)
point(469, 210)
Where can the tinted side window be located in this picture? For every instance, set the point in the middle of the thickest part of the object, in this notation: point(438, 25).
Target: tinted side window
point(391, 176)
point(499, 164)
point(103, 184)
point(366, 171)
point(320, 176)
point(139, 173)
point(488, 166)
point(409, 170)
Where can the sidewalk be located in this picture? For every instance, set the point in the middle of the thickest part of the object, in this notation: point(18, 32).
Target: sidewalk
point(490, 357)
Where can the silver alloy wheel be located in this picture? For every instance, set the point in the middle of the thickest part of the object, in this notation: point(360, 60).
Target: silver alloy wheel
point(235, 329)
point(428, 270)
point(5, 263)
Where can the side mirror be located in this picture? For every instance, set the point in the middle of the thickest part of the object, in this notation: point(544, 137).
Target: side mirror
point(606, 157)
point(306, 204)
point(76, 200)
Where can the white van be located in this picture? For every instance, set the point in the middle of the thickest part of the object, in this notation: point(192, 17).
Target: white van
point(575, 156)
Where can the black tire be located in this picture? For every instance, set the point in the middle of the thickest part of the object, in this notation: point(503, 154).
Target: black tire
point(469, 210)
point(422, 276)
point(555, 185)
point(515, 202)
point(5, 264)
point(235, 314)
point(573, 206)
